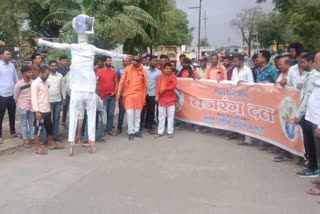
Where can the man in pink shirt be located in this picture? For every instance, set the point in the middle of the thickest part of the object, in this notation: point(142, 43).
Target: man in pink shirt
point(42, 110)
point(22, 97)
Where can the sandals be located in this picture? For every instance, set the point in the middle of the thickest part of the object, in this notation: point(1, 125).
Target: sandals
point(92, 149)
point(170, 135)
point(314, 191)
point(157, 136)
point(56, 147)
point(316, 182)
point(27, 145)
point(41, 152)
point(15, 135)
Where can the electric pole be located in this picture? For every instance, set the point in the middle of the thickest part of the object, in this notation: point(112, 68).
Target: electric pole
point(205, 18)
point(199, 27)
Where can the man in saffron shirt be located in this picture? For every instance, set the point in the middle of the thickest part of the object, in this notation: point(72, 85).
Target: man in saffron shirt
point(216, 71)
point(108, 85)
point(134, 77)
point(166, 97)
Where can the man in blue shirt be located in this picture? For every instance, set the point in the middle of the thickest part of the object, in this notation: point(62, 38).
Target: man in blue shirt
point(8, 79)
point(152, 75)
point(266, 72)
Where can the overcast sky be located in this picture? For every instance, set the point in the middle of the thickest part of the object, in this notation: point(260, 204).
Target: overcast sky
point(219, 14)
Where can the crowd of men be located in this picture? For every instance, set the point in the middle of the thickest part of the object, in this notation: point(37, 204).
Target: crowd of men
point(144, 88)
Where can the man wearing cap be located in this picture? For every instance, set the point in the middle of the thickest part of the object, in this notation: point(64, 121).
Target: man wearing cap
point(43, 54)
point(134, 78)
point(202, 70)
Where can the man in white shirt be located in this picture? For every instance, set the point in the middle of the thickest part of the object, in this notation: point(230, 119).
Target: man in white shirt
point(241, 72)
point(295, 75)
point(57, 96)
point(313, 115)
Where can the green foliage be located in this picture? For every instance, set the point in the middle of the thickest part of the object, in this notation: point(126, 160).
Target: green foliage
point(204, 43)
point(295, 20)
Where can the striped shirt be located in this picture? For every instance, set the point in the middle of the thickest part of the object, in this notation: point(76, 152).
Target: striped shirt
point(22, 94)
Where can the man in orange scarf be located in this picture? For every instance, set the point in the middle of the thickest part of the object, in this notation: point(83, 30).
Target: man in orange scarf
point(134, 78)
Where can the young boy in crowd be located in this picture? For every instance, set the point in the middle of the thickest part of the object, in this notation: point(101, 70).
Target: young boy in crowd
point(166, 96)
point(22, 96)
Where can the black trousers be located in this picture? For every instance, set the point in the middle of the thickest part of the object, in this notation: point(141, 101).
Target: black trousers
point(309, 144)
point(147, 114)
point(10, 104)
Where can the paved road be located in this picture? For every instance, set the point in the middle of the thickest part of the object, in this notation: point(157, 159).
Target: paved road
point(192, 173)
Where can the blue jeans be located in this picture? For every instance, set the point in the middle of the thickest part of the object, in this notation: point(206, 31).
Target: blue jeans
point(102, 115)
point(56, 109)
point(122, 111)
point(26, 122)
point(110, 104)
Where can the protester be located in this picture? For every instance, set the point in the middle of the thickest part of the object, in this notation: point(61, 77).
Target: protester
point(149, 109)
point(203, 69)
point(227, 63)
point(43, 55)
point(163, 60)
point(42, 110)
point(64, 69)
point(134, 78)
point(57, 98)
point(36, 63)
point(307, 62)
point(146, 60)
point(241, 72)
point(296, 73)
point(283, 66)
point(108, 85)
point(166, 96)
point(174, 66)
point(181, 59)
point(313, 116)
point(8, 79)
point(294, 51)
point(276, 62)
point(216, 71)
point(22, 97)
point(266, 72)
point(255, 67)
point(122, 110)
point(187, 71)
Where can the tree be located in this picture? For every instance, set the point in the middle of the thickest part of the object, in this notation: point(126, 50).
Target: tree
point(204, 43)
point(246, 21)
point(274, 27)
point(302, 18)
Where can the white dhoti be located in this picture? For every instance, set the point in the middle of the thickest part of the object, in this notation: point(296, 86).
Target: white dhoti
point(133, 120)
point(79, 102)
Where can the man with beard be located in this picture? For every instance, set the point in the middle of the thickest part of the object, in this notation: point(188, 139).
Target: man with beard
point(152, 76)
point(42, 110)
point(227, 63)
point(307, 62)
point(134, 78)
